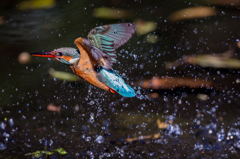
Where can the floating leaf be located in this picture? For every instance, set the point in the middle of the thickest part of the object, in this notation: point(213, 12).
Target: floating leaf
point(192, 13)
point(174, 82)
point(153, 95)
point(202, 97)
point(144, 27)
point(111, 13)
point(36, 4)
point(220, 60)
point(215, 61)
point(161, 125)
point(60, 151)
point(54, 108)
point(153, 136)
point(151, 38)
point(39, 153)
point(63, 75)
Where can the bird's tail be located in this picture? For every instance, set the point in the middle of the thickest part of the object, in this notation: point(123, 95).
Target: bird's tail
point(115, 82)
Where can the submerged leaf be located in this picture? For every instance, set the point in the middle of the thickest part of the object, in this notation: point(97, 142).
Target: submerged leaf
point(60, 151)
point(161, 125)
point(54, 108)
point(192, 13)
point(36, 4)
point(202, 97)
point(153, 95)
point(63, 75)
point(110, 13)
point(151, 38)
point(221, 60)
point(214, 61)
point(144, 137)
point(144, 27)
point(39, 153)
point(174, 82)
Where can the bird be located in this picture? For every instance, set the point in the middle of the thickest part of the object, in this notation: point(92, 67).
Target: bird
point(94, 57)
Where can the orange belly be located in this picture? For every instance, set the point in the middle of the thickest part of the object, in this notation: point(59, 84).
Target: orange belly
point(85, 67)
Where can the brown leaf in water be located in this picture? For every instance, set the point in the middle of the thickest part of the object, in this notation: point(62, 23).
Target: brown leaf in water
point(174, 82)
point(153, 136)
point(153, 95)
point(40, 129)
point(161, 125)
point(192, 13)
point(54, 108)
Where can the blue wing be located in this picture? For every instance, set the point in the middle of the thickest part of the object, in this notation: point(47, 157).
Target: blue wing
point(115, 82)
point(104, 40)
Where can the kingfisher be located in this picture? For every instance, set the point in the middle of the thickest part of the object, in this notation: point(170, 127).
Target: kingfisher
point(95, 56)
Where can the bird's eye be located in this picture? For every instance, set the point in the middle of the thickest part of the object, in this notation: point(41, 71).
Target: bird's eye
point(59, 54)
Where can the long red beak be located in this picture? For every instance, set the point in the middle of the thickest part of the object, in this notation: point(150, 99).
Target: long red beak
point(44, 54)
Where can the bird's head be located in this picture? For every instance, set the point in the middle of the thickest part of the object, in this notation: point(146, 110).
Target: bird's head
point(65, 55)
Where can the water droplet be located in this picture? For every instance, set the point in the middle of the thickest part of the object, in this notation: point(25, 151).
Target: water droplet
point(91, 103)
point(91, 120)
point(99, 139)
point(88, 138)
point(143, 124)
point(10, 122)
point(2, 125)
point(2, 146)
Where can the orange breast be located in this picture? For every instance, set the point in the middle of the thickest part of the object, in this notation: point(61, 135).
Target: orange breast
point(85, 67)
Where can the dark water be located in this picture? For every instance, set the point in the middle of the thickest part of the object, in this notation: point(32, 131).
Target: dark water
point(95, 123)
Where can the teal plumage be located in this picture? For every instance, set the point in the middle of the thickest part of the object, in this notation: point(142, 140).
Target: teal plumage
point(115, 82)
point(107, 38)
point(103, 42)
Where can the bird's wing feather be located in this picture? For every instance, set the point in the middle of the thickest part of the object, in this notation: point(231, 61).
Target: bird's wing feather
point(115, 82)
point(104, 40)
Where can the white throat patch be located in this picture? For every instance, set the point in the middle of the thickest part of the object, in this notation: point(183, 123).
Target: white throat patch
point(73, 61)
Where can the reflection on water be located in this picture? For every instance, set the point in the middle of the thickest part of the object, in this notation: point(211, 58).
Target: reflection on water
point(92, 122)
